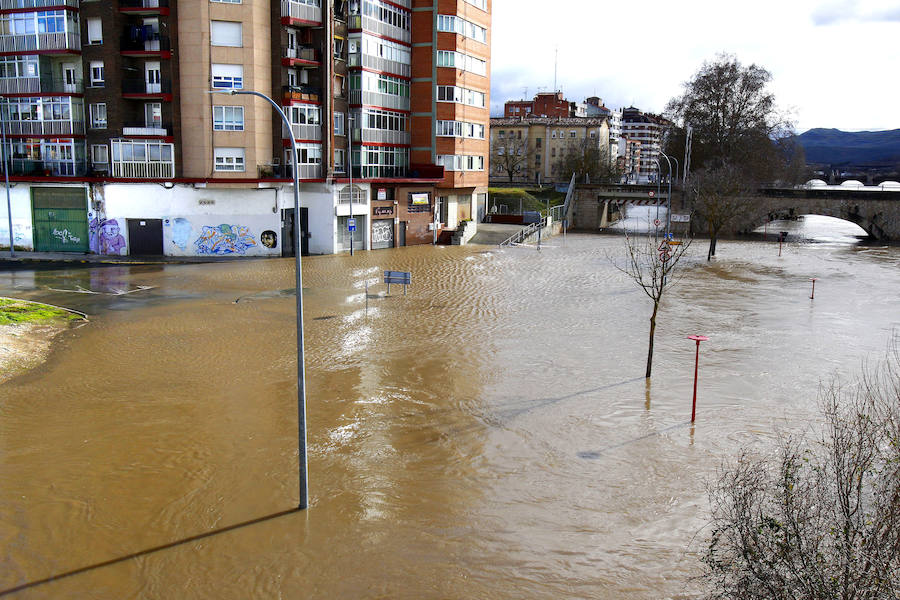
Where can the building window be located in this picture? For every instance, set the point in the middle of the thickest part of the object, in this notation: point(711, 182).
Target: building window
point(340, 160)
point(228, 118)
point(98, 116)
point(99, 154)
point(338, 47)
point(227, 1)
point(95, 31)
point(460, 162)
point(225, 33)
point(571, 134)
point(97, 74)
point(339, 128)
point(229, 159)
point(227, 77)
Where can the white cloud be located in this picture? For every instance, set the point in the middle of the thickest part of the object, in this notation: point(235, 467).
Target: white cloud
point(832, 62)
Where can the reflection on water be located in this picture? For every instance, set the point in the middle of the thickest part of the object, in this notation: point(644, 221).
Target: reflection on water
point(816, 228)
point(489, 434)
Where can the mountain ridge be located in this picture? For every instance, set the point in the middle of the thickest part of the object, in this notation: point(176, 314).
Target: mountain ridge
point(851, 148)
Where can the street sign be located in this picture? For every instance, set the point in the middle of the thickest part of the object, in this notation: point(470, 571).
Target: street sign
point(351, 224)
point(681, 218)
point(651, 193)
point(656, 222)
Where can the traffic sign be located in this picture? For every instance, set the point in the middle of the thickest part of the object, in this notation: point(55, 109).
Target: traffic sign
point(656, 222)
point(351, 224)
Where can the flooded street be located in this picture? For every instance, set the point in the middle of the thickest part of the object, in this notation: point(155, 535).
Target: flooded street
point(488, 435)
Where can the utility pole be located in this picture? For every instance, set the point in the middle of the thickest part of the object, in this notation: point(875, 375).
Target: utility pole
point(12, 250)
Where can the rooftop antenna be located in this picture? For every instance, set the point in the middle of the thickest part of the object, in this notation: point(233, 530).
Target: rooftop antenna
point(555, 66)
point(525, 93)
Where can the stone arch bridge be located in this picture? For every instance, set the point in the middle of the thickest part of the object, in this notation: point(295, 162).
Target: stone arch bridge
point(877, 212)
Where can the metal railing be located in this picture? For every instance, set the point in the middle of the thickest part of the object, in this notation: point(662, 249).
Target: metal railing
point(523, 234)
point(150, 4)
point(383, 65)
point(143, 87)
point(301, 11)
point(64, 168)
point(40, 41)
point(159, 43)
point(381, 136)
point(303, 131)
point(35, 85)
point(367, 98)
point(143, 169)
point(138, 129)
point(301, 52)
point(14, 4)
point(46, 127)
point(367, 23)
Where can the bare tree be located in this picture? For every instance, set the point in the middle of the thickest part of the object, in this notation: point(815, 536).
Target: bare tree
point(587, 159)
point(719, 196)
point(821, 519)
point(511, 154)
point(652, 263)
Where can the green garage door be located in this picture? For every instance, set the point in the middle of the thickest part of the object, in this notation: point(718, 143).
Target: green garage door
point(60, 219)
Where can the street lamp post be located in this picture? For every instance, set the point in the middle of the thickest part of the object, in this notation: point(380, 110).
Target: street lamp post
point(351, 120)
point(12, 249)
point(301, 364)
point(669, 196)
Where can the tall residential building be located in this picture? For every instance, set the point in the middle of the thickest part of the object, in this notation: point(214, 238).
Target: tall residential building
point(544, 104)
point(97, 94)
point(647, 129)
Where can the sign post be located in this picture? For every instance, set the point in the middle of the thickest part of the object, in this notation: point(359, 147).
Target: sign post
point(698, 339)
point(351, 227)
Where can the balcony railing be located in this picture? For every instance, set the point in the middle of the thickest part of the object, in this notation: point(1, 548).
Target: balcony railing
point(379, 64)
point(301, 53)
point(150, 6)
point(301, 11)
point(157, 43)
point(369, 24)
point(141, 87)
point(35, 85)
point(146, 130)
point(360, 97)
point(141, 169)
point(304, 131)
point(41, 127)
point(302, 92)
point(59, 168)
point(14, 4)
point(381, 136)
point(33, 42)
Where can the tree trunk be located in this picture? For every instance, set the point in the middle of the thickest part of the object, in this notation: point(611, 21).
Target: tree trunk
point(652, 333)
point(712, 246)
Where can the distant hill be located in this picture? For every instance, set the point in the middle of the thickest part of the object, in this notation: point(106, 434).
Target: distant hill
point(860, 148)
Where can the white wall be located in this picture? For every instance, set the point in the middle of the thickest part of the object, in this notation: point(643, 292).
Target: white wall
point(20, 200)
point(198, 221)
point(319, 199)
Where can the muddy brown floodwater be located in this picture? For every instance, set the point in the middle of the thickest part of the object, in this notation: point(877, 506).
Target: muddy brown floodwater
point(488, 435)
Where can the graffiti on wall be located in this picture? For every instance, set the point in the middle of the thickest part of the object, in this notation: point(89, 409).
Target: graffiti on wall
point(225, 239)
point(105, 235)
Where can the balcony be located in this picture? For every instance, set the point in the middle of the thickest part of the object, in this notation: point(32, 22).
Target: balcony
point(37, 85)
point(300, 57)
point(41, 42)
point(141, 89)
point(306, 132)
point(366, 23)
point(381, 136)
point(144, 7)
point(360, 98)
point(381, 65)
point(143, 130)
point(294, 12)
point(58, 168)
point(21, 4)
point(41, 127)
point(155, 45)
point(139, 159)
point(302, 93)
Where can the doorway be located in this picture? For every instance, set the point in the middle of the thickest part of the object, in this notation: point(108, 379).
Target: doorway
point(145, 237)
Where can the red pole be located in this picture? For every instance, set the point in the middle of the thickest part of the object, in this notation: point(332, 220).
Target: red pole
point(698, 339)
point(813, 295)
point(779, 246)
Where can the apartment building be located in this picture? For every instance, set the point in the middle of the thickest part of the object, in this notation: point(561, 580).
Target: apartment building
point(647, 129)
point(108, 104)
point(544, 104)
point(532, 148)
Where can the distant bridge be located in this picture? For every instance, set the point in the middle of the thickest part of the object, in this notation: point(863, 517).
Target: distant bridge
point(877, 212)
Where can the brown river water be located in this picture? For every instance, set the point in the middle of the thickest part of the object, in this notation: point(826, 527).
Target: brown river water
point(488, 435)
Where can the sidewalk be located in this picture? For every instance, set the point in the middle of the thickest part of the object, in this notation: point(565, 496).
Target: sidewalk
point(102, 259)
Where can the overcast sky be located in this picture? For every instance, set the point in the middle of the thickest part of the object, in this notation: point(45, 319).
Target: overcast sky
point(834, 64)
